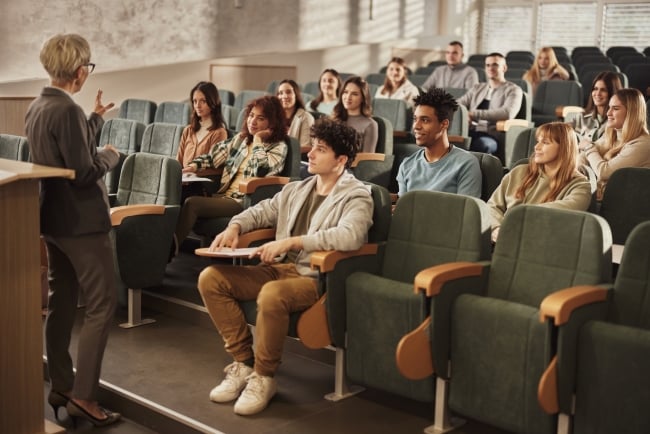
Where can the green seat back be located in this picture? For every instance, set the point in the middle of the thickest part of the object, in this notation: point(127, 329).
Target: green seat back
point(541, 250)
point(14, 147)
point(149, 179)
point(162, 138)
point(431, 228)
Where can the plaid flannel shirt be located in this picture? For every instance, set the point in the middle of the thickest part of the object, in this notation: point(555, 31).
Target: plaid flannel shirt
point(267, 159)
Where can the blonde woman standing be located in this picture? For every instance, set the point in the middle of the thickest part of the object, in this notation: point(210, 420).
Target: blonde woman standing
point(75, 224)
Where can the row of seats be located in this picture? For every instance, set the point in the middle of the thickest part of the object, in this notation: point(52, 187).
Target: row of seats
point(369, 311)
point(146, 111)
point(479, 325)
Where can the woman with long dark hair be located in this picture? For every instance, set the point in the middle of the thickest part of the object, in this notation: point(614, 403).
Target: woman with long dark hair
point(299, 121)
point(590, 125)
point(355, 109)
point(206, 127)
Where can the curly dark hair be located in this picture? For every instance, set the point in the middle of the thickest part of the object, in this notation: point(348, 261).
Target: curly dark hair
point(444, 104)
point(211, 94)
point(272, 109)
point(343, 140)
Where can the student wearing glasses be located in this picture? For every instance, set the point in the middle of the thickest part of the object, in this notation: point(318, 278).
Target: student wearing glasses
point(490, 102)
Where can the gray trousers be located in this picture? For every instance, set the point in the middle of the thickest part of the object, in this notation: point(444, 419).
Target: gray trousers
point(80, 265)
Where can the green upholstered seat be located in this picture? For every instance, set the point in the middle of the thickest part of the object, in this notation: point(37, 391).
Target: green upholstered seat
point(126, 136)
point(377, 171)
point(553, 93)
point(143, 239)
point(613, 357)
point(427, 228)
point(162, 138)
point(495, 346)
point(626, 201)
point(246, 96)
point(14, 147)
point(172, 112)
point(140, 110)
point(491, 173)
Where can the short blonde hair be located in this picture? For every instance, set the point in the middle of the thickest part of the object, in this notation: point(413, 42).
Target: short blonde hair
point(63, 54)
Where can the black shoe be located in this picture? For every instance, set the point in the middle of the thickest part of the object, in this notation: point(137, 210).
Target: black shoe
point(76, 411)
point(57, 400)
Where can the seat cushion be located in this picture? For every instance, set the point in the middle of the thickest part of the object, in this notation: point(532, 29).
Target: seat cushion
point(613, 382)
point(379, 312)
point(499, 350)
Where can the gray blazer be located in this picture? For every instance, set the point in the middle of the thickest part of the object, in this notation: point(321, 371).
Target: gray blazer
point(60, 135)
point(505, 102)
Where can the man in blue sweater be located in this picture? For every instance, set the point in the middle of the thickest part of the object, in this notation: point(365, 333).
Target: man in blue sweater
point(437, 165)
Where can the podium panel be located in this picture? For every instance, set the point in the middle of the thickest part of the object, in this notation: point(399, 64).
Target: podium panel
point(21, 330)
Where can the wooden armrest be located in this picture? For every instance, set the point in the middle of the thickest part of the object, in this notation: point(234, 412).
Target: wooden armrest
point(119, 213)
point(507, 124)
point(313, 328)
point(560, 304)
point(413, 353)
point(547, 389)
point(304, 149)
point(246, 239)
point(324, 261)
point(368, 156)
point(431, 279)
point(250, 185)
point(393, 198)
point(400, 133)
point(456, 139)
point(565, 110)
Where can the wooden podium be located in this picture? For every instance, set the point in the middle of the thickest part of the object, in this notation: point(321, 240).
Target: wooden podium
point(21, 329)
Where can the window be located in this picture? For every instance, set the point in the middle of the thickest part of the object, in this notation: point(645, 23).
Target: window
point(626, 24)
point(507, 28)
point(567, 25)
point(532, 24)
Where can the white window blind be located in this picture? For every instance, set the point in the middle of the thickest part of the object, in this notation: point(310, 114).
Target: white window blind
point(626, 24)
point(506, 28)
point(566, 24)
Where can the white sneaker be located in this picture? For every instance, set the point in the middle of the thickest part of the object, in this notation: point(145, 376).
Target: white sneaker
point(231, 386)
point(257, 394)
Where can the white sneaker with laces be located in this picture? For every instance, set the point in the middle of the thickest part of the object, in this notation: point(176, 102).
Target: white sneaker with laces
point(231, 386)
point(257, 394)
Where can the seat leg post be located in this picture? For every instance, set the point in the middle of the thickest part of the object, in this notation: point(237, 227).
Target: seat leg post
point(134, 305)
point(563, 424)
point(341, 388)
point(443, 422)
